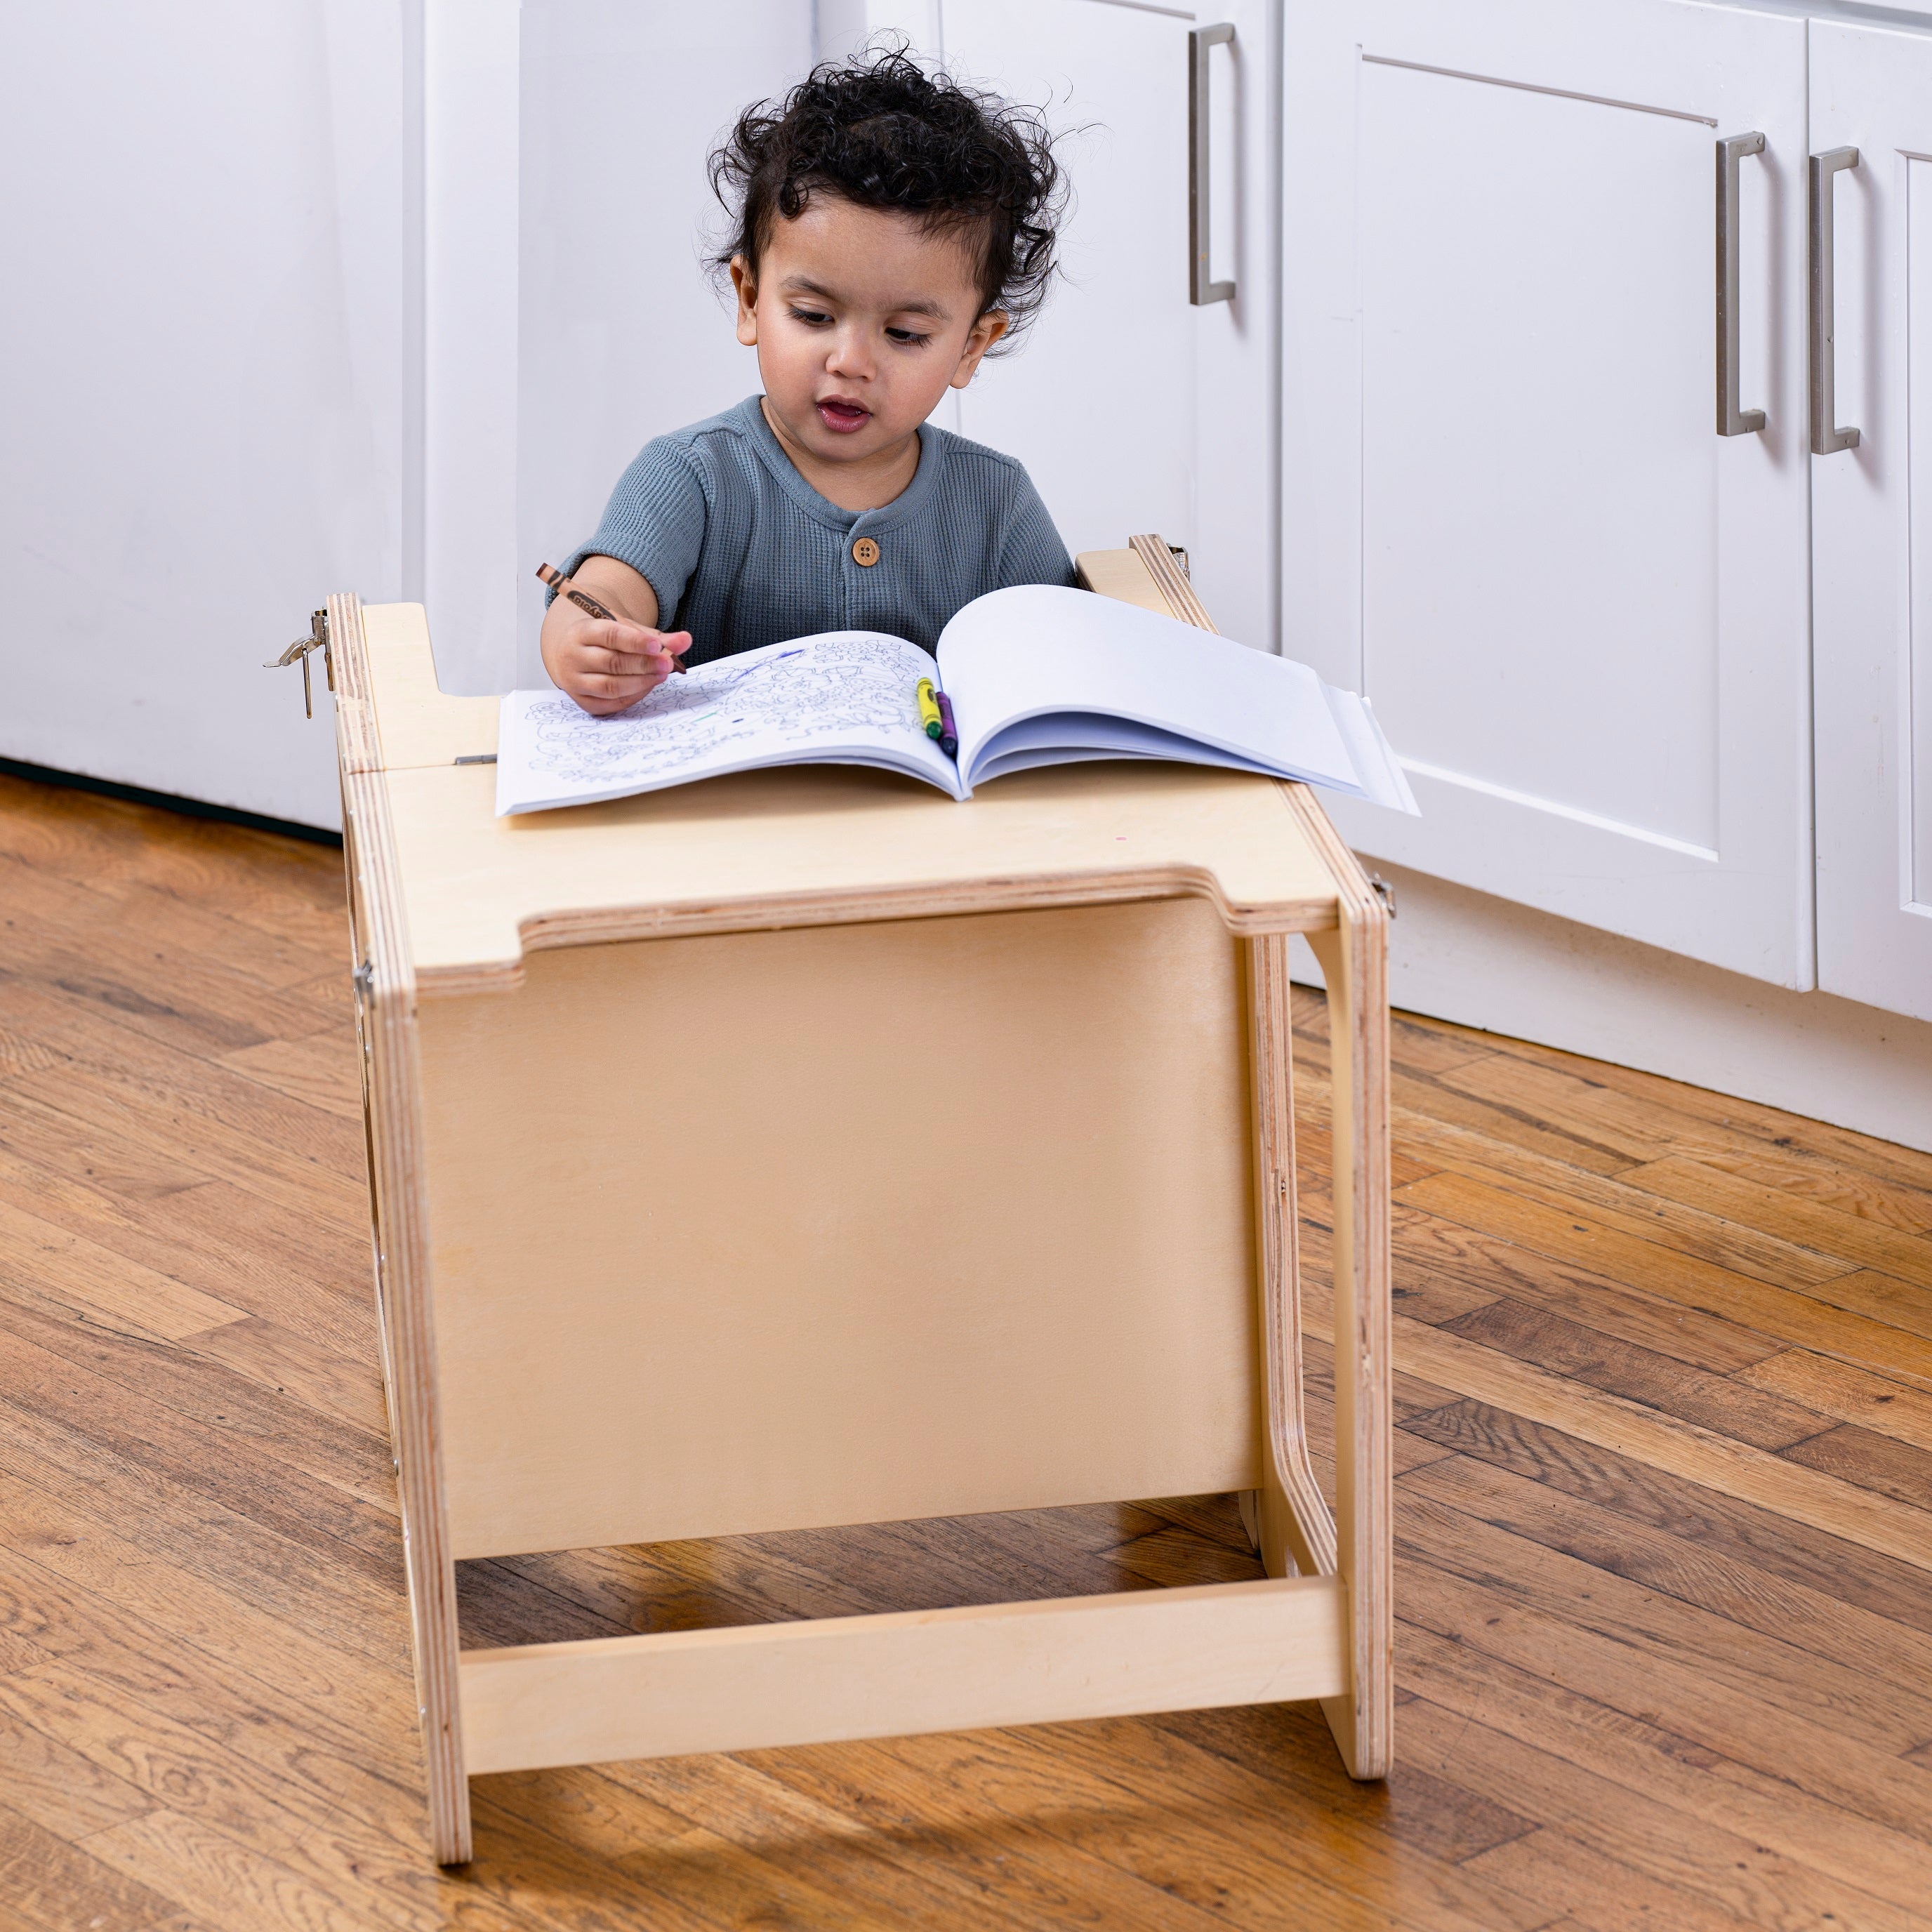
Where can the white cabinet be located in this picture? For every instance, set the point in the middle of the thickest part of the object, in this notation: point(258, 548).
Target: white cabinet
point(1871, 91)
point(205, 383)
point(1132, 408)
point(1508, 515)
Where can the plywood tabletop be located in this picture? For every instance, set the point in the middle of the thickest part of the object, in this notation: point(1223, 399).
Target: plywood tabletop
point(803, 845)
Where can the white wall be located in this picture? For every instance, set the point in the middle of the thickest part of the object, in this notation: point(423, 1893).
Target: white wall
point(201, 332)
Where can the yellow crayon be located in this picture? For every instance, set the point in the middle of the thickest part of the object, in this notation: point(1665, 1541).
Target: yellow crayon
point(928, 709)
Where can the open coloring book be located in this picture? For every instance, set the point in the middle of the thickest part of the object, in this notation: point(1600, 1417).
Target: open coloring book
point(1035, 675)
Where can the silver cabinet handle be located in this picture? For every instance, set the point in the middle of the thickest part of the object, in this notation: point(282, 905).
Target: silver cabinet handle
point(1826, 436)
point(1200, 290)
point(1731, 420)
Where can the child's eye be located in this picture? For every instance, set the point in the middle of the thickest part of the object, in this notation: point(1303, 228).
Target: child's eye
point(909, 338)
point(813, 318)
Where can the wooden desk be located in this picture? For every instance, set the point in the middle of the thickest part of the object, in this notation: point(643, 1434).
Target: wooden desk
point(805, 1148)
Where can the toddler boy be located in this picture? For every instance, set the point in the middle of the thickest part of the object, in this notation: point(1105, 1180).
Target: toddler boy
point(890, 228)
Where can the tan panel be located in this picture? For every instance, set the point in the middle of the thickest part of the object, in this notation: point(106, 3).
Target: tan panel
point(842, 1225)
point(807, 845)
point(1123, 575)
point(666, 1694)
point(421, 724)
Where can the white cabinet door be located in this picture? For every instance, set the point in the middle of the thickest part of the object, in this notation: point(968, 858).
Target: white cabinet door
point(1132, 409)
point(1872, 524)
point(1508, 517)
point(202, 331)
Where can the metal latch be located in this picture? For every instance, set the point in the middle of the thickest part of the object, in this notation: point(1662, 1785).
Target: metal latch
point(1383, 891)
point(317, 640)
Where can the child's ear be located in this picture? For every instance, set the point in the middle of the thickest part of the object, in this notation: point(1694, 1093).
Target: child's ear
point(745, 280)
point(979, 338)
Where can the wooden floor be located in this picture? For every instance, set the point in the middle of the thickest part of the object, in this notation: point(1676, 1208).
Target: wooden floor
point(1664, 1515)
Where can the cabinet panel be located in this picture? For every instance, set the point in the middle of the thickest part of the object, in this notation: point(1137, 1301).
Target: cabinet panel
point(1872, 512)
point(1508, 516)
point(203, 337)
point(1133, 409)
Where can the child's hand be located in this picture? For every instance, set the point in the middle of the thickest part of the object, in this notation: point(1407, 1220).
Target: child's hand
point(607, 665)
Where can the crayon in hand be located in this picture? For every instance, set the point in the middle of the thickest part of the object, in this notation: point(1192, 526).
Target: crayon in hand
point(564, 587)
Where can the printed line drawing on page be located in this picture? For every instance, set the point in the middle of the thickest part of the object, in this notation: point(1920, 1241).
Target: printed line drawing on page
point(856, 682)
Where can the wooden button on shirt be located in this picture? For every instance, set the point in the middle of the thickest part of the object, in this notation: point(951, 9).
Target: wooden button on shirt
point(865, 551)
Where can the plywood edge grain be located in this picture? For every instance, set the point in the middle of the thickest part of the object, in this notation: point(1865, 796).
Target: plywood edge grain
point(392, 1096)
point(604, 924)
point(358, 739)
point(833, 1679)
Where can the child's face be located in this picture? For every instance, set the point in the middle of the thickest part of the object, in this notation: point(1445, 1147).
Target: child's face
point(862, 322)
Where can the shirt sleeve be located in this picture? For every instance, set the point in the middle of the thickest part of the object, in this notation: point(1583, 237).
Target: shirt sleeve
point(1032, 551)
point(654, 522)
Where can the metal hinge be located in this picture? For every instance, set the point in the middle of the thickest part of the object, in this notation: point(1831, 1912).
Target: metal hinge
point(1383, 891)
point(317, 640)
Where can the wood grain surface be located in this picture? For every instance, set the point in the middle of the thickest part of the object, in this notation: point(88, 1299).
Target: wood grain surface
point(1662, 1490)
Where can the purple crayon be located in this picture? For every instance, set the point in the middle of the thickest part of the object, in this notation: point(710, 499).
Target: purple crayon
point(949, 732)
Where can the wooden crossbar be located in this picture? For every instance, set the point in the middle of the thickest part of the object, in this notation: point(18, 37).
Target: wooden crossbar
point(834, 1679)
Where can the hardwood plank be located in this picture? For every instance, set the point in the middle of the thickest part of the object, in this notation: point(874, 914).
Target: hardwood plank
point(341, 1602)
point(291, 889)
point(1629, 1486)
point(234, 1413)
point(1665, 1274)
point(1690, 1119)
point(332, 1518)
point(46, 1264)
point(54, 1786)
point(1625, 1204)
point(146, 1076)
point(1436, 1249)
point(1641, 1680)
point(49, 1883)
point(1882, 1298)
point(1562, 1873)
point(1830, 1184)
point(1815, 1853)
point(1560, 1101)
point(1706, 1873)
point(1872, 1461)
point(1814, 1224)
point(1852, 1395)
point(1109, 1792)
point(1642, 1376)
point(299, 1823)
point(320, 1070)
point(1432, 1095)
point(575, 1851)
point(346, 1389)
point(1732, 1469)
point(1768, 1636)
point(878, 1840)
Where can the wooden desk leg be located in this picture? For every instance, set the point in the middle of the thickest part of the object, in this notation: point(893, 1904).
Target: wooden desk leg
point(1292, 1527)
point(385, 1002)
point(1355, 960)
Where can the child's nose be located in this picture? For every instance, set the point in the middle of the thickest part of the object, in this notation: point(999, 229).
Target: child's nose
point(850, 354)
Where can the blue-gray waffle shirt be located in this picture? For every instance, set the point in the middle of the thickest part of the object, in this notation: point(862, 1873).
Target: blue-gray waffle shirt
point(743, 551)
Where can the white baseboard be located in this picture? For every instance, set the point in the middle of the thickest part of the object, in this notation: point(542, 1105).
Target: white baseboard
point(1461, 956)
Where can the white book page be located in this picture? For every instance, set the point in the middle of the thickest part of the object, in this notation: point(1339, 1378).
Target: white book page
point(843, 697)
point(1034, 650)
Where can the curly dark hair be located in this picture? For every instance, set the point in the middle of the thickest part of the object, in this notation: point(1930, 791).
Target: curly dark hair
point(882, 131)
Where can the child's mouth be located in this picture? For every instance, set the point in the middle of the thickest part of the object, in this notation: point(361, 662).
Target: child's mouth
point(835, 413)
